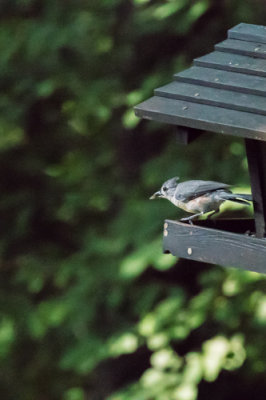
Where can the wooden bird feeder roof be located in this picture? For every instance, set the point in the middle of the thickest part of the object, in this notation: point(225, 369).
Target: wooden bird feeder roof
point(223, 91)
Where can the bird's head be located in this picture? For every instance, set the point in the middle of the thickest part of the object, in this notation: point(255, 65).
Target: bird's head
point(167, 189)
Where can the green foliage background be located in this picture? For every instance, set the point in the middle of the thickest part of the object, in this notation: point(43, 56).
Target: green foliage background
point(90, 308)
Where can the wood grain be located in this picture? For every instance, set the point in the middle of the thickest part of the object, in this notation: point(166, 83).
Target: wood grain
point(221, 79)
point(250, 32)
point(214, 246)
point(233, 62)
point(203, 117)
point(185, 135)
point(213, 97)
point(242, 47)
point(256, 155)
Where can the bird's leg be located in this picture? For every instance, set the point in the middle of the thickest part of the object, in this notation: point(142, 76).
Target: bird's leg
point(191, 217)
point(214, 212)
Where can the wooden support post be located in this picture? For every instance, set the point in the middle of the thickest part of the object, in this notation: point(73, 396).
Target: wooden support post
point(185, 135)
point(256, 155)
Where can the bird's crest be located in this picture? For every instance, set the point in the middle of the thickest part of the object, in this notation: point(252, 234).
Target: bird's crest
point(171, 183)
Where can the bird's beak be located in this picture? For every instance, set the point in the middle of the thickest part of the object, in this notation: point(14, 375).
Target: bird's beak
point(156, 195)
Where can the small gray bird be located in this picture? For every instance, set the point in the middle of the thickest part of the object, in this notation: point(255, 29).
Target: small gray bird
point(198, 197)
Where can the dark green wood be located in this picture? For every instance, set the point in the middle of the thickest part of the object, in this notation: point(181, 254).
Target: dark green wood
point(185, 135)
point(203, 117)
point(214, 246)
point(235, 225)
point(250, 32)
point(241, 47)
point(221, 79)
point(212, 96)
point(256, 155)
point(233, 62)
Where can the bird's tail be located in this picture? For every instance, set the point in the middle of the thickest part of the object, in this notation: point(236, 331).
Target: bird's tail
point(237, 197)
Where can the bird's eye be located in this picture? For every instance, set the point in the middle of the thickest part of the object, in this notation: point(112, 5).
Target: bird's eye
point(165, 189)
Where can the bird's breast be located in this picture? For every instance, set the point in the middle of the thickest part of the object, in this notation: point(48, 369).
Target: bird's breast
point(199, 204)
point(191, 206)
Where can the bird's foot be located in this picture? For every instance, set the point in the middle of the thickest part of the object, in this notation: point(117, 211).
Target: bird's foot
point(187, 219)
point(191, 217)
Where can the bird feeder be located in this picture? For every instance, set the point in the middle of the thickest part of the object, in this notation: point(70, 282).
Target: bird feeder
point(223, 92)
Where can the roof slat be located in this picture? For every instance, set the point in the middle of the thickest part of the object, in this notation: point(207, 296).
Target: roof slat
point(223, 92)
point(250, 32)
point(233, 62)
point(211, 96)
point(223, 80)
point(205, 117)
point(242, 47)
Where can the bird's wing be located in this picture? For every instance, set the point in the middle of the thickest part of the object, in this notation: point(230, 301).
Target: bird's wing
point(190, 189)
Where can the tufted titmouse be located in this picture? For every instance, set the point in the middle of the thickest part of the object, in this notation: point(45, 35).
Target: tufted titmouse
point(198, 197)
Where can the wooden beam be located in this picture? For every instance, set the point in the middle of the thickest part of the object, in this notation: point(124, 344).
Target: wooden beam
point(256, 155)
point(221, 79)
point(203, 117)
point(250, 32)
point(242, 47)
point(233, 62)
point(215, 246)
point(211, 96)
point(185, 135)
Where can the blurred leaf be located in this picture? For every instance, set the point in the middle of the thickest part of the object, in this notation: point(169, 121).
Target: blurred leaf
point(74, 394)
